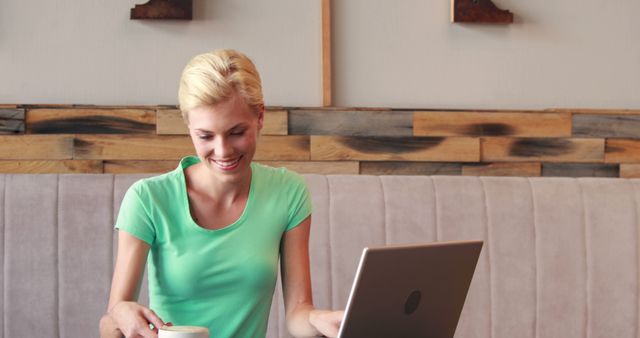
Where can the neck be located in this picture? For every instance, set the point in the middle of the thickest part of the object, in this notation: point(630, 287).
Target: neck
point(226, 192)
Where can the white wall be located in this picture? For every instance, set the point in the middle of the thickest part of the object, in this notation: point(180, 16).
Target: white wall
point(559, 53)
point(89, 52)
point(401, 54)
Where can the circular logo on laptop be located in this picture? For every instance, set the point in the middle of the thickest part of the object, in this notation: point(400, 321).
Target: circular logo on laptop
point(412, 302)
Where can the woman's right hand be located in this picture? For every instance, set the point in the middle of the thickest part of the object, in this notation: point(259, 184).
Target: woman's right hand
point(133, 319)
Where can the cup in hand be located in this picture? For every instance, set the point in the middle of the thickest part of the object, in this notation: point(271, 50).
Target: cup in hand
point(183, 332)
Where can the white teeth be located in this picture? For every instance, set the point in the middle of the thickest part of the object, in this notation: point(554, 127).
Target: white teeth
point(227, 163)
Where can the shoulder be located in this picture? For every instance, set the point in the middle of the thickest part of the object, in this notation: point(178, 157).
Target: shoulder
point(280, 176)
point(156, 184)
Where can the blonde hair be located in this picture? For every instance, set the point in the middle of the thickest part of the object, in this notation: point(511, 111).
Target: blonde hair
point(212, 77)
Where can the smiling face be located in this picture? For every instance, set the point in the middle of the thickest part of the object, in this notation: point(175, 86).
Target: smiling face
point(225, 136)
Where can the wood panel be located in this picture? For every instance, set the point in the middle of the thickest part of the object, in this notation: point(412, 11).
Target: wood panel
point(9, 106)
point(153, 107)
point(597, 111)
point(36, 147)
point(283, 148)
point(136, 167)
point(91, 121)
point(410, 168)
point(455, 149)
point(51, 167)
point(132, 147)
point(630, 170)
point(503, 149)
point(11, 121)
point(276, 122)
point(619, 126)
point(318, 167)
point(170, 122)
point(11, 114)
point(11, 126)
point(622, 151)
point(580, 170)
point(492, 124)
point(531, 169)
point(350, 123)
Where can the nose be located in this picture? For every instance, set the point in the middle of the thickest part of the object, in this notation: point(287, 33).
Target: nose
point(223, 148)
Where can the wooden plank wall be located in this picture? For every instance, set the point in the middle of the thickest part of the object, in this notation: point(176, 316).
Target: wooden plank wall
point(371, 141)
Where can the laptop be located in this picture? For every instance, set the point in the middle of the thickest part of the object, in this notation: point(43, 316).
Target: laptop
point(410, 291)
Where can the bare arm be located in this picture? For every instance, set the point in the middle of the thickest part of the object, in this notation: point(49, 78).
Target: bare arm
point(303, 320)
point(124, 315)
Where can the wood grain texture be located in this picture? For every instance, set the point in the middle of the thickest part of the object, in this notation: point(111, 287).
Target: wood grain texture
point(276, 122)
point(49, 106)
point(503, 149)
point(91, 121)
point(318, 167)
point(136, 167)
point(606, 126)
point(531, 169)
point(36, 147)
point(12, 114)
point(410, 168)
point(433, 149)
point(153, 107)
point(491, 124)
point(630, 170)
point(132, 147)
point(283, 148)
point(51, 167)
point(580, 170)
point(622, 151)
point(11, 126)
point(11, 121)
point(170, 122)
point(597, 111)
point(350, 123)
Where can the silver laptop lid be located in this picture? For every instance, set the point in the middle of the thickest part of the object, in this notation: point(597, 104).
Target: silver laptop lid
point(409, 291)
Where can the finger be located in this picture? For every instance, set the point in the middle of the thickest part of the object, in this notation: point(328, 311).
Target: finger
point(147, 333)
point(153, 318)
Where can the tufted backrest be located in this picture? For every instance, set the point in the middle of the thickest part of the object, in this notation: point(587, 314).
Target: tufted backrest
point(561, 255)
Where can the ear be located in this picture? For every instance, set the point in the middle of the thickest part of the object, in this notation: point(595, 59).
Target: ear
point(260, 117)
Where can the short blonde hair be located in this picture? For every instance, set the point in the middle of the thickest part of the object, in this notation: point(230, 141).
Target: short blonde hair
point(212, 77)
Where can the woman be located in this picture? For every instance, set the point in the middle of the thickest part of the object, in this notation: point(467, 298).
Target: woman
point(214, 228)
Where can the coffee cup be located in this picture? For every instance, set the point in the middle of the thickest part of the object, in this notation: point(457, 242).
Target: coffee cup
point(183, 332)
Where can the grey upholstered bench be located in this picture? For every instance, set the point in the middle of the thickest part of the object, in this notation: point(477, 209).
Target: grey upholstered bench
point(561, 257)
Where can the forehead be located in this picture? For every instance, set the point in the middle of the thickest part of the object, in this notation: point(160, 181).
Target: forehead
point(225, 114)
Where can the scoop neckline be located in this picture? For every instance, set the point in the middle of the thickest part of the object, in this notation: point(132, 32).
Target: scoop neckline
point(191, 160)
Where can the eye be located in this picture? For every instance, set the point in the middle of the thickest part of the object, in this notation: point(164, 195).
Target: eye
point(237, 132)
point(204, 137)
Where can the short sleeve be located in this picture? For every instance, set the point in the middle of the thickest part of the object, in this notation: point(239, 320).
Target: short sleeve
point(134, 217)
point(299, 201)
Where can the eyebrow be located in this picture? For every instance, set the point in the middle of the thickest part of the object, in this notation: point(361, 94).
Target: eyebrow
point(239, 125)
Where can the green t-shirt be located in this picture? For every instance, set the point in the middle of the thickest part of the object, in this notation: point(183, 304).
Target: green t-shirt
point(222, 279)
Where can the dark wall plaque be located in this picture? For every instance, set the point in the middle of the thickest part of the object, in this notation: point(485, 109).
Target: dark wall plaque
point(164, 9)
point(478, 11)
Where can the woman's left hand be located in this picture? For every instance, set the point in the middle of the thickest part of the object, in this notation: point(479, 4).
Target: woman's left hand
point(327, 322)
